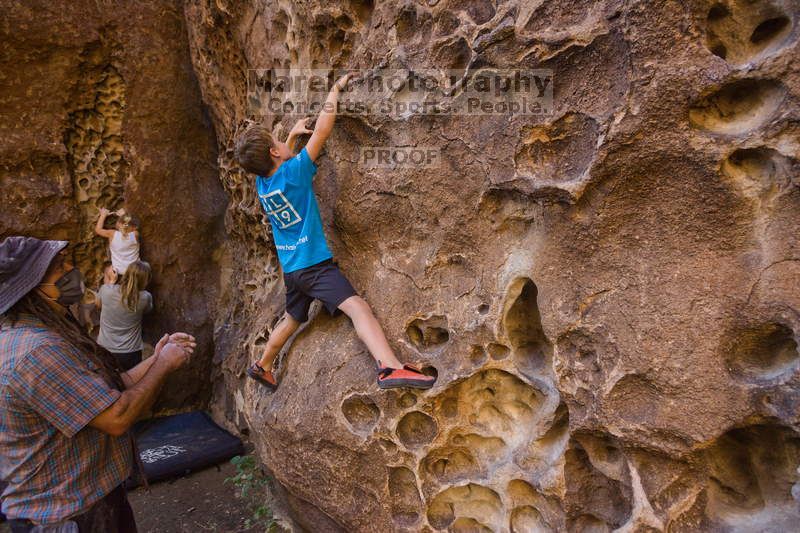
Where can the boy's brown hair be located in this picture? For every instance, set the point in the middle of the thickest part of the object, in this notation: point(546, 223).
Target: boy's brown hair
point(252, 150)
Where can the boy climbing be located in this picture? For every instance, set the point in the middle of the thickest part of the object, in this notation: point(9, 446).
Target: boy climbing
point(284, 184)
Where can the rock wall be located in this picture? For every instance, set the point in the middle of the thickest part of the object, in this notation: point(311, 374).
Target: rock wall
point(100, 108)
point(609, 294)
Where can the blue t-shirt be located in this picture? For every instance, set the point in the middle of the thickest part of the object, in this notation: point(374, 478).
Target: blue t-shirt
point(289, 200)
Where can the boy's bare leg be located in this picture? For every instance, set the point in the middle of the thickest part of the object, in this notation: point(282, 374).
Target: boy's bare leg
point(369, 331)
point(285, 329)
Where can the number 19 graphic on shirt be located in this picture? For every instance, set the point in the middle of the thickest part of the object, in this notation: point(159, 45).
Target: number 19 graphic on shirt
point(280, 209)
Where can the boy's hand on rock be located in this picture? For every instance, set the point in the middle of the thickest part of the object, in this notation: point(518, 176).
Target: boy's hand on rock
point(104, 212)
point(301, 127)
point(341, 83)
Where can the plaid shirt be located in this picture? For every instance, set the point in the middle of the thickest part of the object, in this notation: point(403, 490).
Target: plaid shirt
point(55, 465)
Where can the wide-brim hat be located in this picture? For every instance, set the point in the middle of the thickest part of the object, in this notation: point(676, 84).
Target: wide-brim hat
point(23, 263)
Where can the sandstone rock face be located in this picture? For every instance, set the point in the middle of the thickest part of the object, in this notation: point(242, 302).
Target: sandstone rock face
point(100, 108)
point(608, 293)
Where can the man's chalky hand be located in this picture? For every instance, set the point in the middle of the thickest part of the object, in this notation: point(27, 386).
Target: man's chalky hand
point(184, 340)
point(174, 355)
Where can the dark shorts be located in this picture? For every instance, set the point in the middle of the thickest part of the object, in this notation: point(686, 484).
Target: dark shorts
point(323, 282)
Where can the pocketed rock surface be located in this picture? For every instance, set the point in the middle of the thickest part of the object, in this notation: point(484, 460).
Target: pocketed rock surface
point(608, 293)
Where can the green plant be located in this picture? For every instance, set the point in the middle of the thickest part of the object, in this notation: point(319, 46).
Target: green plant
point(252, 483)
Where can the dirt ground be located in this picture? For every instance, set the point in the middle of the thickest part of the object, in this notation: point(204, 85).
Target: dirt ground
point(198, 502)
point(195, 503)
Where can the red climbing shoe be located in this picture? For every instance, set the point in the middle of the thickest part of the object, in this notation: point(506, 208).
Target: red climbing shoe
point(408, 376)
point(265, 377)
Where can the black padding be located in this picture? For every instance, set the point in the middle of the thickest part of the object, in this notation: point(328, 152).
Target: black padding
point(175, 445)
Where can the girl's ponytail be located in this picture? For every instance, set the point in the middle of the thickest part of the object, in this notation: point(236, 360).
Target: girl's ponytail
point(135, 279)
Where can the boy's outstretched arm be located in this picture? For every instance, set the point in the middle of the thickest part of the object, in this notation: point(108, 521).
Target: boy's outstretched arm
point(300, 128)
point(326, 118)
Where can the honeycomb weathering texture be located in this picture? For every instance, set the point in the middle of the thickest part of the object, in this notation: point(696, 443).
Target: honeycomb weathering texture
point(742, 32)
point(95, 152)
point(738, 107)
point(607, 294)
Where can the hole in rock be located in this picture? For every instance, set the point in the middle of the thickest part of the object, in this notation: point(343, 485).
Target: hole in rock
point(553, 16)
point(469, 525)
point(751, 473)
point(477, 355)
point(757, 172)
point(738, 107)
point(361, 413)
point(525, 519)
point(494, 403)
point(531, 510)
point(718, 49)
point(446, 23)
point(429, 332)
point(603, 454)
point(336, 42)
point(451, 464)
point(763, 352)
point(560, 152)
point(479, 12)
point(463, 457)
point(497, 351)
point(406, 24)
point(454, 55)
point(634, 398)
point(105, 199)
point(769, 29)
point(344, 22)
point(405, 499)
point(588, 523)
point(363, 9)
point(430, 371)
point(416, 429)
point(717, 12)
point(280, 25)
point(522, 323)
point(407, 400)
point(550, 445)
point(466, 502)
point(483, 309)
point(389, 446)
point(591, 493)
point(449, 407)
point(746, 30)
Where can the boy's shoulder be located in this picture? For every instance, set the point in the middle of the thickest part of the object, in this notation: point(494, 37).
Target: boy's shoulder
point(295, 162)
point(298, 167)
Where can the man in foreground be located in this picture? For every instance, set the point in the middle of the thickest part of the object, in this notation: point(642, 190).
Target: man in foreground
point(65, 405)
